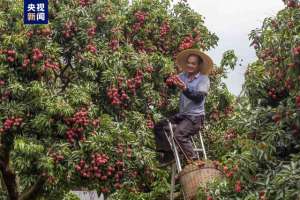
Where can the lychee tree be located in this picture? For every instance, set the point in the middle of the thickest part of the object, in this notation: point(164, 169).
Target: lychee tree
point(263, 159)
point(79, 96)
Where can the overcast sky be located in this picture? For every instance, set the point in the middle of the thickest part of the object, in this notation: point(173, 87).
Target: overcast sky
point(232, 21)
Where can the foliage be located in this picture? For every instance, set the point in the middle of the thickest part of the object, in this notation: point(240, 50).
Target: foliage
point(79, 96)
point(263, 159)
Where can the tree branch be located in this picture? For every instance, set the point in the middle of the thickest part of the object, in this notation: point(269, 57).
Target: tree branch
point(9, 178)
point(8, 175)
point(2, 183)
point(65, 80)
point(32, 192)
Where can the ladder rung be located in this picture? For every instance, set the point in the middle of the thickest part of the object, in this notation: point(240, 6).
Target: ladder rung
point(198, 149)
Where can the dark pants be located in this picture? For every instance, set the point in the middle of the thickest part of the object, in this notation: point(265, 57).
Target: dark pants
point(186, 126)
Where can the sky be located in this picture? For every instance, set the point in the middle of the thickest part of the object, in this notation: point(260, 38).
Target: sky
point(232, 21)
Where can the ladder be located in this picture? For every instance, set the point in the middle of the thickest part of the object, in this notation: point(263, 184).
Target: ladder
point(177, 166)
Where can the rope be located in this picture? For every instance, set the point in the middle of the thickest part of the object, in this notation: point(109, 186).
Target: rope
point(186, 157)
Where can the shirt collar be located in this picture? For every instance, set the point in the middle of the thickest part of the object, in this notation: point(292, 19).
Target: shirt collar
point(195, 77)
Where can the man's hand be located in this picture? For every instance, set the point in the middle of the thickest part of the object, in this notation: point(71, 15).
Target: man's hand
point(179, 83)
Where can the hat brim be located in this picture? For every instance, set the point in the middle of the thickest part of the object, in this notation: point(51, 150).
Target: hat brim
point(205, 68)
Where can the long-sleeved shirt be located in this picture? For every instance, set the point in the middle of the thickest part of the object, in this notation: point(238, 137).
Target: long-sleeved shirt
point(193, 98)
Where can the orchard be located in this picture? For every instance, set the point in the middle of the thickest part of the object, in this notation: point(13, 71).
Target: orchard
point(80, 96)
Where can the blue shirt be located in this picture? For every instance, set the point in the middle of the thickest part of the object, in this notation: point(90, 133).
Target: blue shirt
point(200, 83)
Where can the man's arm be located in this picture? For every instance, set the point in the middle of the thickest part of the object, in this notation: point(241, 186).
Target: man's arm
point(196, 96)
point(199, 94)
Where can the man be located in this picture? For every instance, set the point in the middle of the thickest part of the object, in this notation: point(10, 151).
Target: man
point(194, 85)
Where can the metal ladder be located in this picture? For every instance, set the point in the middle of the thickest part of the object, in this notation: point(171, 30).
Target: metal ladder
point(177, 167)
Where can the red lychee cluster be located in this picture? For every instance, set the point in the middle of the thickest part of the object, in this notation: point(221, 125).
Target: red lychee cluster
point(114, 96)
point(117, 95)
point(238, 186)
point(298, 101)
point(136, 27)
point(262, 195)
point(135, 83)
point(230, 172)
point(93, 170)
point(272, 93)
point(296, 50)
point(215, 114)
point(140, 18)
point(57, 157)
point(10, 123)
point(173, 80)
point(295, 130)
point(37, 54)
point(124, 96)
point(289, 83)
point(46, 32)
point(164, 29)
point(277, 118)
point(114, 44)
point(230, 134)
point(266, 54)
point(101, 18)
point(186, 43)
point(80, 118)
point(10, 55)
point(91, 48)
point(139, 45)
point(292, 4)
point(149, 69)
point(26, 62)
point(138, 78)
point(29, 34)
point(84, 3)
point(101, 169)
point(75, 133)
point(49, 64)
point(209, 197)
point(150, 123)
point(91, 31)
point(69, 29)
point(77, 125)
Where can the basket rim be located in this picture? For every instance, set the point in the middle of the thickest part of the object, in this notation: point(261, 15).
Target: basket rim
point(184, 173)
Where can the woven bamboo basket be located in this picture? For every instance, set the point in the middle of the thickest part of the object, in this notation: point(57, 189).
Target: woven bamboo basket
point(198, 174)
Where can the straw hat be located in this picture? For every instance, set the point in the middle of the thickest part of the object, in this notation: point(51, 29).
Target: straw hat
point(205, 67)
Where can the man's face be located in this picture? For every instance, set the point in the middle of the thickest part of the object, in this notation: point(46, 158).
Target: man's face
point(192, 64)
